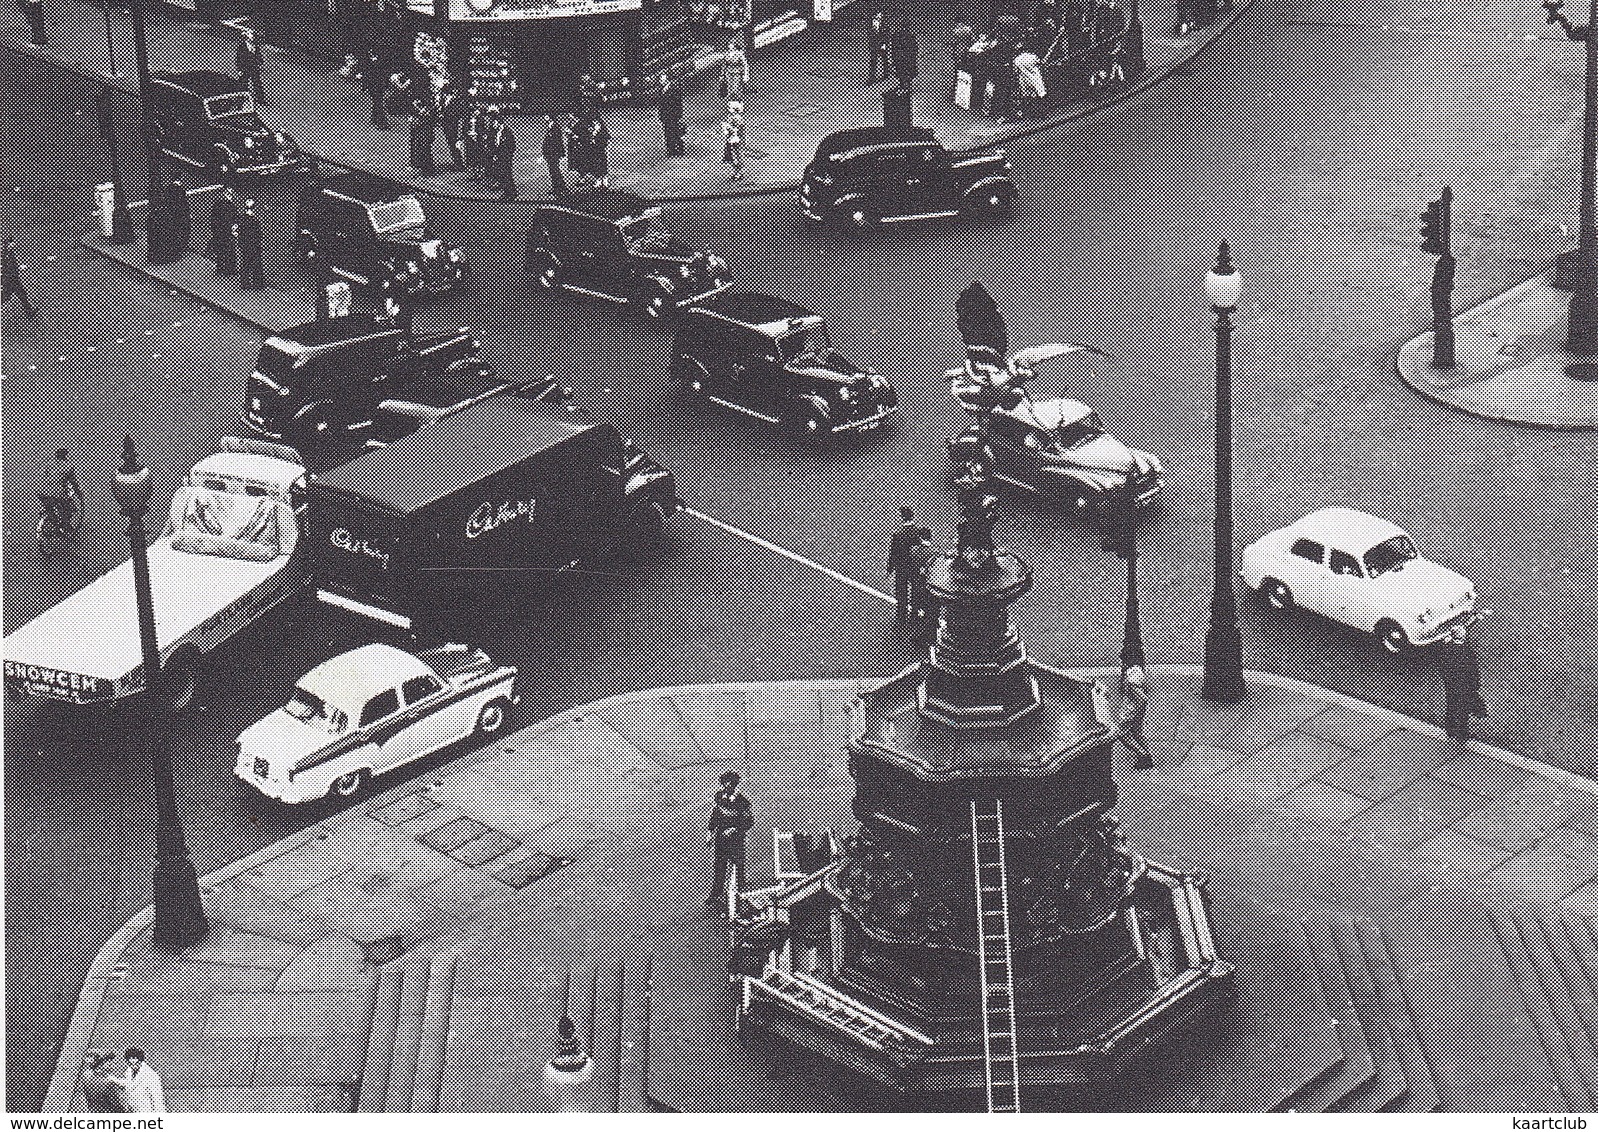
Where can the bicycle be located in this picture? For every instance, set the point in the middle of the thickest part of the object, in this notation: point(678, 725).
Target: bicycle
point(58, 524)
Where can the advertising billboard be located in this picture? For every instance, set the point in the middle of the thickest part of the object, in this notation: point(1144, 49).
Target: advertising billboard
point(535, 9)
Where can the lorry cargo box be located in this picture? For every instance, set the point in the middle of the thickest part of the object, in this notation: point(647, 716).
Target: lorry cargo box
point(492, 499)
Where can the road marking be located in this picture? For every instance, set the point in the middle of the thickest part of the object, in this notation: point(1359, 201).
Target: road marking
point(786, 553)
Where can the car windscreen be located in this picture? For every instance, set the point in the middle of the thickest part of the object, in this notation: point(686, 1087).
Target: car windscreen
point(308, 707)
point(228, 105)
point(808, 346)
point(276, 362)
point(403, 213)
point(1390, 555)
point(1074, 434)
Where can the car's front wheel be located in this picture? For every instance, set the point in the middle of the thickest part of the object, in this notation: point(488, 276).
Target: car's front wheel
point(859, 215)
point(491, 720)
point(691, 377)
point(1275, 595)
point(351, 785)
point(654, 297)
point(992, 202)
point(1393, 639)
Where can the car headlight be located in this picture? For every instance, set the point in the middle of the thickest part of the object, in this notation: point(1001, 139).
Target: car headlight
point(249, 143)
point(455, 255)
point(846, 394)
point(410, 266)
point(685, 271)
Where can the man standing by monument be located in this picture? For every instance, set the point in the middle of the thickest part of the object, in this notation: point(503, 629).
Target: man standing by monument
point(906, 562)
point(730, 819)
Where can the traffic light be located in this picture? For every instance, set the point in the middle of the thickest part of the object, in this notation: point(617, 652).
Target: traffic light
point(1432, 229)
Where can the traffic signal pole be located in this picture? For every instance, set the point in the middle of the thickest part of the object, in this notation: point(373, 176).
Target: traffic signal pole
point(1437, 231)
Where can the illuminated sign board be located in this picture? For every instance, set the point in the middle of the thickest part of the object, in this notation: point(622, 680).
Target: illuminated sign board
point(535, 9)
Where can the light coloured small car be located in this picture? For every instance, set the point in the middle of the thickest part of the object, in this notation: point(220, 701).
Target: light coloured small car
point(1361, 571)
point(368, 711)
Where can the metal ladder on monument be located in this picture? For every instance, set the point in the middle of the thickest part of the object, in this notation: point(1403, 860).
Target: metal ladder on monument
point(993, 956)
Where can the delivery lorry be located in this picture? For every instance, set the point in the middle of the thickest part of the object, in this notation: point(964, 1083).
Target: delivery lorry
point(228, 554)
point(481, 503)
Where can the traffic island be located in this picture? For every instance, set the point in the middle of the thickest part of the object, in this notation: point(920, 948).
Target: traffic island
point(1511, 363)
point(1361, 868)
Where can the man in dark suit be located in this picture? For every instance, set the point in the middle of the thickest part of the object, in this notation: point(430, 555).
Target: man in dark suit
point(671, 116)
point(555, 155)
point(731, 817)
point(1460, 669)
point(906, 561)
point(247, 237)
point(247, 59)
point(906, 52)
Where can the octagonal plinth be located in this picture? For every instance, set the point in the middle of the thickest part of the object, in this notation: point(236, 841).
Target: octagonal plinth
point(1168, 986)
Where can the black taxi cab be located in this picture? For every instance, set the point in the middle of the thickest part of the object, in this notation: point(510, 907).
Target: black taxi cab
point(316, 385)
point(602, 244)
point(773, 360)
point(367, 229)
point(207, 120)
point(866, 178)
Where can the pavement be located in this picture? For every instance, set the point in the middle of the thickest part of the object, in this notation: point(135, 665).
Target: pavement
point(1512, 362)
point(414, 952)
point(801, 89)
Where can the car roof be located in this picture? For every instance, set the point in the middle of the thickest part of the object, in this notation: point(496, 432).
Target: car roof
point(614, 205)
point(365, 187)
point(331, 332)
point(348, 680)
point(845, 140)
point(766, 313)
point(453, 451)
point(1333, 523)
point(1048, 414)
point(203, 83)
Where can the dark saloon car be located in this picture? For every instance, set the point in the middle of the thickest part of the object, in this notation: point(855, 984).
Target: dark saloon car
point(601, 244)
point(1060, 450)
point(207, 120)
point(771, 359)
point(321, 384)
point(869, 177)
point(365, 229)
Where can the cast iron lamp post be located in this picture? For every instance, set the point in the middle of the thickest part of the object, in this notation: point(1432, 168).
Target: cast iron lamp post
point(152, 151)
point(1582, 337)
point(179, 914)
point(1223, 643)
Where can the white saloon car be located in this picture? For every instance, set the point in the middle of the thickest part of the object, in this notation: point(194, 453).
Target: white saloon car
point(369, 711)
point(1362, 571)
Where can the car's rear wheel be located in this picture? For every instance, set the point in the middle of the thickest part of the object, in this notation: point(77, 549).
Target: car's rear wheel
point(351, 785)
point(1393, 639)
point(545, 269)
point(1275, 595)
point(491, 720)
point(691, 377)
point(646, 529)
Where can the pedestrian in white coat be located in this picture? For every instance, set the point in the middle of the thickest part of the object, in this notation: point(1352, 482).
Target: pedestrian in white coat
point(142, 1085)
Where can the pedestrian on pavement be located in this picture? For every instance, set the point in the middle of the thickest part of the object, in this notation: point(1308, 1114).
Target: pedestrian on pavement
point(179, 222)
point(904, 561)
point(734, 72)
point(479, 130)
point(877, 45)
point(395, 300)
point(220, 248)
point(11, 278)
point(503, 148)
point(423, 123)
point(247, 239)
point(732, 134)
point(589, 94)
point(101, 1084)
point(247, 59)
point(671, 116)
point(142, 1084)
point(588, 155)
point(731, 817)
point(906, 52)
point(554, 155)
point(1134, 706)
point(34, 11)
point(1029, 81)
point(376, 84)
point(1460, 669)
point(453, 108)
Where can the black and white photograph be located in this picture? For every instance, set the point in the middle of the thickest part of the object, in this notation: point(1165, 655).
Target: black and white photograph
point(792, 557)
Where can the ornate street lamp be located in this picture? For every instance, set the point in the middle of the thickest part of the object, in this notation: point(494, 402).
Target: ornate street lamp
point(152, 151)
point(1582, 337)
point(179, 914)
point(1223, 643)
